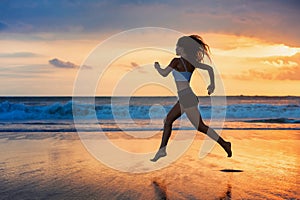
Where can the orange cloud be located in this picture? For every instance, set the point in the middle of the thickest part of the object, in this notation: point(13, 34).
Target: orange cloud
point(282, 73)
point(282, 68)
point(130, 67)
point(289, 73)
point(133, 64)
point(280, 63)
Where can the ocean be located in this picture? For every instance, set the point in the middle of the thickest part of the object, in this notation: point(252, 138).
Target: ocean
point(55, 114)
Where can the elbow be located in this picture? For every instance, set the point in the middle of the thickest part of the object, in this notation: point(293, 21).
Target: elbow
point(162, 74)
point(209, 68)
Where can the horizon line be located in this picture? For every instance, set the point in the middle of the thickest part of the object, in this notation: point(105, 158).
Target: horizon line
point(153, 96)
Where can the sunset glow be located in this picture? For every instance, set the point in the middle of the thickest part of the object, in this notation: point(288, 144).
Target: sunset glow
point(243, 58)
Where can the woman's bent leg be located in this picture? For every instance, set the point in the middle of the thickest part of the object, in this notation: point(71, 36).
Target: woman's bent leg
point(195, 117)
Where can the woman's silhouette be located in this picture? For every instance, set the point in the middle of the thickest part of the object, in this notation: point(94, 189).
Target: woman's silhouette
point(191, 50)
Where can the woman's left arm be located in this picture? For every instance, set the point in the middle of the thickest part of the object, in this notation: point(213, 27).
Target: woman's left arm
point(210, 70)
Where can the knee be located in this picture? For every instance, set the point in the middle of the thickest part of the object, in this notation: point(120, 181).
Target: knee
point(202, 127)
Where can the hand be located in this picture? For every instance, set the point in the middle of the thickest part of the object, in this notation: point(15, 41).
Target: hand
point(211, 89)
point(156, 65)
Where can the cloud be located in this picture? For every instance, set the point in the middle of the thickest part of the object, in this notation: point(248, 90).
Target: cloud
point(129, 67)
point(288, 73)
point(18, 55)
point(62, 64)
point(280, 63)
point(134, 65)
point(258, 49)
point(253, 74)
point(281, 73)
point(274, 68)
point(275, 20)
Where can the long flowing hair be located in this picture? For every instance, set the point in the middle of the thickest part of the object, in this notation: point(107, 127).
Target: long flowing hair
point(194, 47)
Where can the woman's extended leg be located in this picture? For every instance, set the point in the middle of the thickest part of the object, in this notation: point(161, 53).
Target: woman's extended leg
point(195, 117)
point(173, 114)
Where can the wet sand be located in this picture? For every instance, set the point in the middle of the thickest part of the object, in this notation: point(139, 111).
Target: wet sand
point(265, 165)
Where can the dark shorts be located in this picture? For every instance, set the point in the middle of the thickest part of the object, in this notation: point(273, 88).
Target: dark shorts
point(187, 98)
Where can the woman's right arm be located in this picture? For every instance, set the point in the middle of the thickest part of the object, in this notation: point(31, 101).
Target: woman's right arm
point(164, 72)
point(210, 70)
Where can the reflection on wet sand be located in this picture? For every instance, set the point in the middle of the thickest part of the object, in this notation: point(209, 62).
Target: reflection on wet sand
point(227, 194)
point(160, 190)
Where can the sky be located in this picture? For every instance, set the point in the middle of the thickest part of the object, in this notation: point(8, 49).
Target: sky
point(45, 45)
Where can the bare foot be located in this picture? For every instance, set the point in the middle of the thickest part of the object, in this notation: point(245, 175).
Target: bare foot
point(161, 153)
point(227, 148)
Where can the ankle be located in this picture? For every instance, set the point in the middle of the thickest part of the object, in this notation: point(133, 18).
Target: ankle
point(162, 150)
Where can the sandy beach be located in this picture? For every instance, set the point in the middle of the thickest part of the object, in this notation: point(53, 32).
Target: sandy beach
point(265, 165)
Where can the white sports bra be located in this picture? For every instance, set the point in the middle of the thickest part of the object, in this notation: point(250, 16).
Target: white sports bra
point(182, 76)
